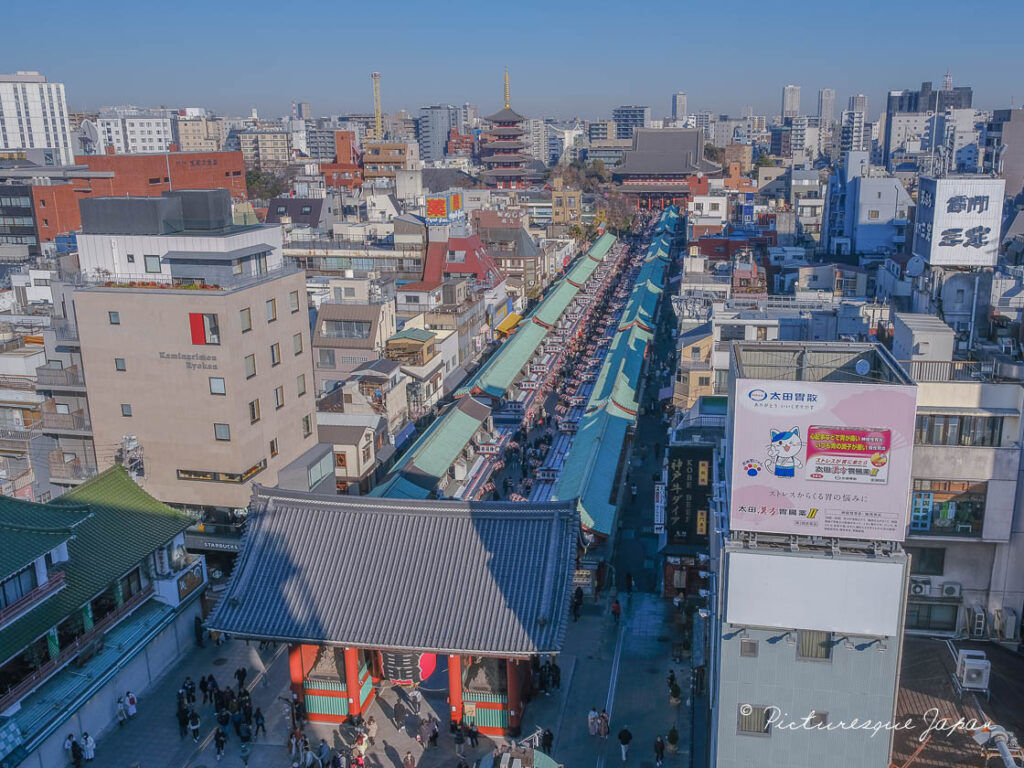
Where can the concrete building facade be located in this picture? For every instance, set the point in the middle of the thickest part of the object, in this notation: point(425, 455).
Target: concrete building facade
point(34, 115)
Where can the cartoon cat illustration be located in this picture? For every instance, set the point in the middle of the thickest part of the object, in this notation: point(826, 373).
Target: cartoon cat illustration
point(782, 453)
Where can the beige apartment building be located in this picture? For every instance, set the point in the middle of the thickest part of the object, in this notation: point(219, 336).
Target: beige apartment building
point(199, 355)
point(201, 134)
point(266, 150)
point(383, 159)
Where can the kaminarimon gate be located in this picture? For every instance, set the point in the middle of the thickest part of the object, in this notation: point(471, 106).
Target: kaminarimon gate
point(369, 589)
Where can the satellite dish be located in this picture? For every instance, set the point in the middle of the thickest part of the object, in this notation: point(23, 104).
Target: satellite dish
point(863, 367)
point(915, 266)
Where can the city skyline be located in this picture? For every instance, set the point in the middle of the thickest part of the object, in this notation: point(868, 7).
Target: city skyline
point(252, 69)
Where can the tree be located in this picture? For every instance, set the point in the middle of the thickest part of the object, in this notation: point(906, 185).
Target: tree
point(619, 212)
point(713, 153)
point(599, 171)
point(264, 185)
point(764, 161)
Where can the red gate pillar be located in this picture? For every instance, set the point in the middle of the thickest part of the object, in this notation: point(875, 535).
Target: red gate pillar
point(455, 687)
point(352, 686)
point(515, 704)
point(295, 668)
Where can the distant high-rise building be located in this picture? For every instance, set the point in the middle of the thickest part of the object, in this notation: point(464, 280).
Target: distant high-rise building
point(790, 101)
point(858, 103)
point(929, 100)
point(679, 106)
point(304, 111)
point(826, 106)
point(629, 117)
point(433, 127)
point(852, 134)
point(34, 116)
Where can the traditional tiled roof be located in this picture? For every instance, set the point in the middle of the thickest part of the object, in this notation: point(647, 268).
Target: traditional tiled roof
point(668, 151)
point(123, 525)
point(28, 531)
point(451, 577)
point(505, 115)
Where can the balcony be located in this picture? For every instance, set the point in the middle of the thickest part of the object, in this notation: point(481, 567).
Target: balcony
point(65, 331)
point(74, 424)
point(949, 370)
point(69, 472)
point(89, 642)
point(53, 377)
point(14, 437)
point(52, 585)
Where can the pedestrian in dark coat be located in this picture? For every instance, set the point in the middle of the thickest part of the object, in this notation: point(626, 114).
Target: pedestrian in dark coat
point(556, 676)
point(547, 740)
point(260, 723)
point(220, 739)
point(182, 722)
point(76, 753)
point(204, 688)
point(659, 750)
point(193, 724)
point(240, 674)
point(400, 714)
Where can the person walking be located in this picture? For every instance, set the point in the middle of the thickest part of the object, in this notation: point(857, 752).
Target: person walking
point(556, 675)
point(189, 687)
point(616, 610)
point(592, 718)
point(547, 740)
point(659, 751)
point(408, 761)
point(473, 734)
point(604, 726)
point(182, 722)
point(193, 724)
point(400, 714)
point(88, 747)
point(122, 713)
point(219, 740)
point(76, 753)
point(240, 675)
point(624, 738)
point(371, 730)
point(261, 723)
point(415, 700)
point(236, 722)
point(204, 688)
point(460, 741)
point(132, 703)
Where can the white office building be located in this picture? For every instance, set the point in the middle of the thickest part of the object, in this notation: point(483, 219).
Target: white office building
point(679, 106)
point(826, 106)
point(135, 134)
point(34, 116)
point(790, 101)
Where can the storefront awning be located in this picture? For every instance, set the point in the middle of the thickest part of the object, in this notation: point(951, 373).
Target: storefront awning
point(510, 322)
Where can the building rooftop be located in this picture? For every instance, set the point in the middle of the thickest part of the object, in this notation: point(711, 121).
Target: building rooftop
point(665, 152)
point(304, 211)
point(849, 363)
point(483, 578)
point(414, 334)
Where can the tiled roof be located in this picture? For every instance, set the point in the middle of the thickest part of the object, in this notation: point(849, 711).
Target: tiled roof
point(505, 115)
point(478, 261)
point(28, 531)
point(366, 313)
point(124, 525)
point(293, 209)
point(678, 151)
point(445, 576)
point(414, 334)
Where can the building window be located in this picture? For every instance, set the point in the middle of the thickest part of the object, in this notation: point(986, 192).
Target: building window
point(340, 461)
point(119, 364)
point(204, 327)
point(932, 617)
point(704, 381)
point(927, 561)
point(152, 264)
point(246, 317)
point(300, 385)
point(114, 318)
point(222, 431)
point(872, 214)
point(754, 720)
point(818, 719)
point(977, 431)
point(254, 411)
point(948, 507)
point(126, 409)
point(17, 586)
point(345, 329)
point(307, 425)
point(217, 386)
point(366, 451)
point(250, 366)
point(293, 301)
point(275, 354)
point(748, 648)
point(236, 267)
point(297, 343)
point(271, 310)
point(278, 397)
point(813, 644)
point(273, 448)
point(326, 358)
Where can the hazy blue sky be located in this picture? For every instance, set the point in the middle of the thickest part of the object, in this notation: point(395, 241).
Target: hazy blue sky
point(567, 58)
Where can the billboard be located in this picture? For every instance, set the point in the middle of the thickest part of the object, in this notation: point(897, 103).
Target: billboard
point(822, 458)
point(958, 220)
point(688, 494)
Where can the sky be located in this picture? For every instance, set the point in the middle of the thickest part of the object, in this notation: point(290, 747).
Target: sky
point(567, 58)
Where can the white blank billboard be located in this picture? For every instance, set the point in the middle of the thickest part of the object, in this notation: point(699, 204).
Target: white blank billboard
point(849, 597)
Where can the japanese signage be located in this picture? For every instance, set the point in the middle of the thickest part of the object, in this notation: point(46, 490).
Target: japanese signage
point(528, 385)
point(444, 207)
point(822, 459)
point(488, 449)
point(688, 494)
point(659, 507)
point(190, 580)
point(958, 221)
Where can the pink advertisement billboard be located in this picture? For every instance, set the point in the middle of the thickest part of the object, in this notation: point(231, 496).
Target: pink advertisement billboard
point(822, 459)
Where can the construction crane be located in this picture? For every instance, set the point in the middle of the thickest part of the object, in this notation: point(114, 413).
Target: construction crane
point(378, 116)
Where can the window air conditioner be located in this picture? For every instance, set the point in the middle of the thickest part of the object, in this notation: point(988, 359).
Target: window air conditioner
point(920, 587)
point(973, 670)
point(951, 589)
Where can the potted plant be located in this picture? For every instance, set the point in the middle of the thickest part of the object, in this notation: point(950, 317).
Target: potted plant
point(674, 694)
point(673, 739)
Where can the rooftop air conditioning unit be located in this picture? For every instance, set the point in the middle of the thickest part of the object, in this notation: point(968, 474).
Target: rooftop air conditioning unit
point(973, 670)
point(951, 589)
point(1007, 623)
point(920, 587)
